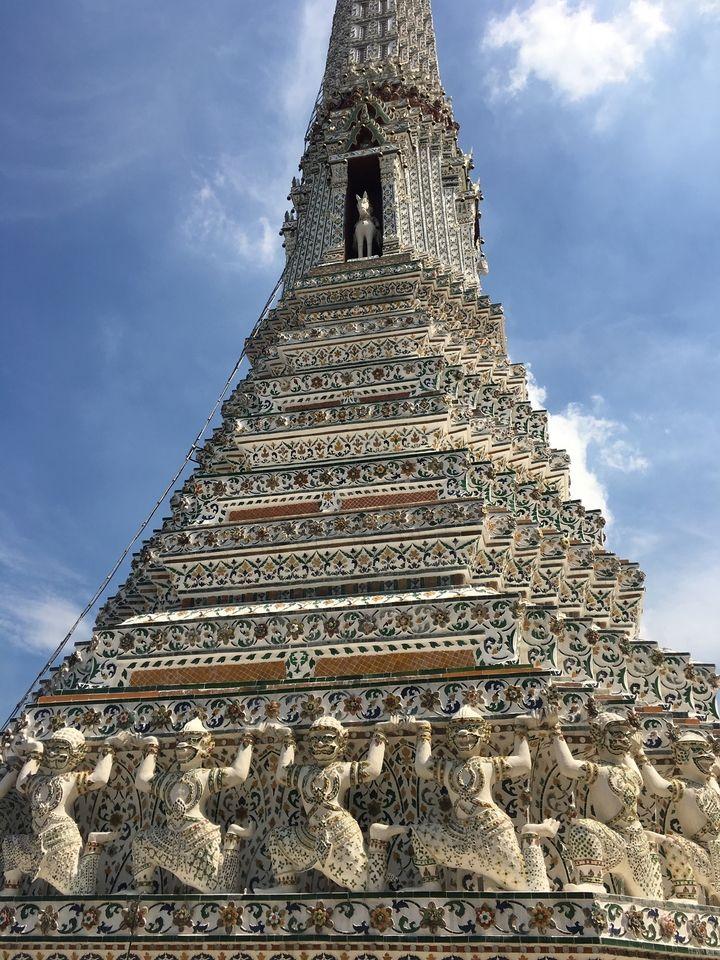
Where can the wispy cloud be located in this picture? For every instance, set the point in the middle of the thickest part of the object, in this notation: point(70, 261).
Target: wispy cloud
point(218, 225)
point(38, 620)
point(234, 213)
point(571, 47)
point(595, 444)
point(304, 73)
point(54, 161)
point(38, 596)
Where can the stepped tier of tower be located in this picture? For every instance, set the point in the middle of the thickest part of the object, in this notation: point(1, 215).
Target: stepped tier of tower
point(378, 526)
point(381, 493)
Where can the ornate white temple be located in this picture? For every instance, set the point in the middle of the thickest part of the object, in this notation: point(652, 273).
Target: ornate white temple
point(375, 690)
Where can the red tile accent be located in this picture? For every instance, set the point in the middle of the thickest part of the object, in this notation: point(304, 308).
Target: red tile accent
point(222, 673)
point(277, 511)
point(394, 663)
point(391, 499)
point(330, 404)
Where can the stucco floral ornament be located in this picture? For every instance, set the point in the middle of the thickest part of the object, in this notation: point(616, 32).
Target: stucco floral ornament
point(668, 927)
point(275, 918)
point(91, 719)
point(162, 716)
point(381, 918)
point(91, 918)
point(484, 916)
point(272, 709)
point(352, 705)
point(597, 918)
point(182, 918)
point(635, 921)
point(320, 917)
point(229, 916)
point(698, 930)
point(236, 712)
point(134, 917)
point(48, 920)
point(7, 918)
point(433, 918)
point(541, 918)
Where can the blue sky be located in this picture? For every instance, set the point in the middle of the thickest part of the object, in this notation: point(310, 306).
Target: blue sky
point(145, 156)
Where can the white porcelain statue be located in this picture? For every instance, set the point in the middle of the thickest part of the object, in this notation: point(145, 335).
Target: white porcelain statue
point(476, 835)
point(51, 782)
point(329, 839)
point(693, 858)
point(615, 842)
point(10, 768)
point(189, 845)
point(367, 229)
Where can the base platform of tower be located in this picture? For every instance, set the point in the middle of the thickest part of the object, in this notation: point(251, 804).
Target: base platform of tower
point(376, 689)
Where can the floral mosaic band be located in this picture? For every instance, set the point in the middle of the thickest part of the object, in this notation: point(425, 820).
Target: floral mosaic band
point(581, 918)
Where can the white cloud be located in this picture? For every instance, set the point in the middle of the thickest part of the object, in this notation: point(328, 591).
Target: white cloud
point(682, 616)
point(110, 334)
point(214, 223)
point(304, 74)
point(536, 394)
point(38, 620)
point(594, 443)
point(38, 596)
point(568, 45)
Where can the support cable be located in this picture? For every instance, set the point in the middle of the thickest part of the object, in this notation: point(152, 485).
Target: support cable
point(158, 503)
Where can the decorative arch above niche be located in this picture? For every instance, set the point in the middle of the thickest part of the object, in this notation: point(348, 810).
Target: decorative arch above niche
point(364, 127)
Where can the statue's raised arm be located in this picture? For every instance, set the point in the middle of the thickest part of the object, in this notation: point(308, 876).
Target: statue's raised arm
point(692, 857)
point(613, 842)
point(10, 767)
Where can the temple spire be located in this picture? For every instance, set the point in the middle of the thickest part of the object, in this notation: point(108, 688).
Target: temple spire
point(391, 40)
point(382, 152)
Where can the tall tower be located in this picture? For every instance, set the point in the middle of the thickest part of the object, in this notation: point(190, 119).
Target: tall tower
point(371, 606)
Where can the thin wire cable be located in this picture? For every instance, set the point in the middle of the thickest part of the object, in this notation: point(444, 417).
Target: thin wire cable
point(145, 523)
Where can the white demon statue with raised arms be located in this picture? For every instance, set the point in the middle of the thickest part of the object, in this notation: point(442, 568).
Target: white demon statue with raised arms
point(693, 856)
point(476, 835)
point(614, 842)
point(51, 782)
point(189, 845)
point(329, 839)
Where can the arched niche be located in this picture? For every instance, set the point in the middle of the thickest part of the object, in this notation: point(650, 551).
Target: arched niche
point(363, 174)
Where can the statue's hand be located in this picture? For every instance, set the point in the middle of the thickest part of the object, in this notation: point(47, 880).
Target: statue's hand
point(393, 725)
point(275, 730)
point(637, 750)
point(145, 741)
point(551, 724)
point(26, 746)
point(524, 723)
point(250, 733)
point(416, 727)
point(122, 741)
